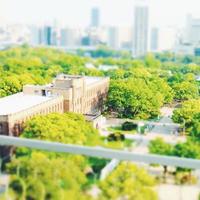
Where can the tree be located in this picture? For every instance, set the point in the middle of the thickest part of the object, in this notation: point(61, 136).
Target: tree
point(17, 188)
point(35, 190)
point(185, 114)
point(187, 150)
point(134, 98)
point(128, 182)
point(53, 177)
point(67, 128)
point(195, 127)
point(186, 90)
point(160, 147)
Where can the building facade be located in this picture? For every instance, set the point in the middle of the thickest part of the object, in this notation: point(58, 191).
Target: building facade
point(95, 17)
point(18, 108)
point(154, 39)
point(66, 93)
point(140, 31)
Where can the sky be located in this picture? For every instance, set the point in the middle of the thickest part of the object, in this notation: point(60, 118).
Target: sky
point(76, 13)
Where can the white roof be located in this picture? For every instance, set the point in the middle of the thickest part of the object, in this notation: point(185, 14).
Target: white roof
point(92, 80)
point(19, 102)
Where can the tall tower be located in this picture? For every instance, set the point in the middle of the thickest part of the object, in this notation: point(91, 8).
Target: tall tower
point(95, 17)
point(154, 39)
point(193, 30)
point(113, 37)
point(47, 35)
point(140, 31)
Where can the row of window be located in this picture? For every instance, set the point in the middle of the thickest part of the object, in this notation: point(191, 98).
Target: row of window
point(54, 108)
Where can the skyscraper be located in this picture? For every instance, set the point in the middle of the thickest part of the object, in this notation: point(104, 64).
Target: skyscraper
point(140, 31)
point(113, 37)
point(95, 17)
point(35, 35)
point(47, 35)
point(70, 37)
point(154, 39)
point(193, 30)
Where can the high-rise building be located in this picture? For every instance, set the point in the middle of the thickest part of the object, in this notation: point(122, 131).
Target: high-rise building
point(55, 37)
point(154, 39)
point(67, 37)
point(113, 37)
point(95, 17)
point(140, 31)
point(47, 35)
point(192, 30)
point(35, 35)
point(167, 38)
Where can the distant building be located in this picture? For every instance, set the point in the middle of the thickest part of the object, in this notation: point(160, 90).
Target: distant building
point(140, 30)
point(66, 94)
point(184, 48)
point(35, 35)
point(189, 40)
point(108, 67)
point(154, 39)
point(66, 37)
point(95, 17)
point(55, 37)
point(197, 51)
point(167, 38)
point(46, 35)
point(113, 37)
point(192, 30)
point(70, 37)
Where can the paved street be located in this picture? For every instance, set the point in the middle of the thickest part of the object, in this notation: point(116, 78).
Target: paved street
point(165, 119)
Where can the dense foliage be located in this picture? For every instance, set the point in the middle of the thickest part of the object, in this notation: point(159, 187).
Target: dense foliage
point(188, 149)
point(43, 177)
point(138, 87)
point(67, 128)
point(189, 116)
point(128, 182)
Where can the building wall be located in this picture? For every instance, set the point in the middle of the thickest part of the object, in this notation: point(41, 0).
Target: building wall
point(140, 32)
point(78, 96)
point(95, 96)
point(3, 125)
point(13, 123)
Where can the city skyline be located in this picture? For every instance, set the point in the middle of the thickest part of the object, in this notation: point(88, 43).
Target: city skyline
point(77, 13)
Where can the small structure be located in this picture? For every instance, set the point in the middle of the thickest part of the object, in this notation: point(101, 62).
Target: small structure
point(97, 120)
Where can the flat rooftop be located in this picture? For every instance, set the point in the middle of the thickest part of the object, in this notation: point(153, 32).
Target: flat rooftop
point(89, 80)
point(92, 80)
point(19, 102)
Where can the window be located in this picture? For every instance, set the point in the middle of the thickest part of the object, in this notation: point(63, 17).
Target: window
point(1, 128)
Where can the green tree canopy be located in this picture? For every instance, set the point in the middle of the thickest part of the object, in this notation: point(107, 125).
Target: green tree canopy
point(128, 181)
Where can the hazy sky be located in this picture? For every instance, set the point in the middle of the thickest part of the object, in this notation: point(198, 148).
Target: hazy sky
point(77, 12)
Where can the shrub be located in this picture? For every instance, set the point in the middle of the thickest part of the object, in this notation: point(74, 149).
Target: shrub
point(128, 126)
point(116, 137)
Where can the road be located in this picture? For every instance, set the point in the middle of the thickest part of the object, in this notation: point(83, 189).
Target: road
point(162, 128)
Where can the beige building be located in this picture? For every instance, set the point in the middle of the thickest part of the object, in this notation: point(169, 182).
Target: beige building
point(66, 93)
point(81, 94)
point(18, 108)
